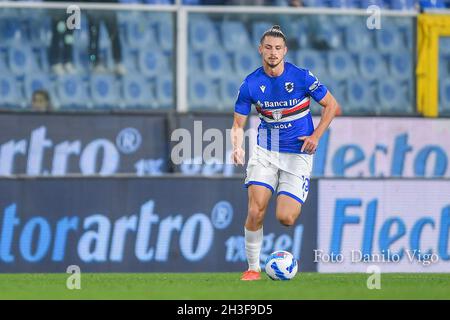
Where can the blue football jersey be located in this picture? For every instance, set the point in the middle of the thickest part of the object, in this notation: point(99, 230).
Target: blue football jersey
point(283, 106)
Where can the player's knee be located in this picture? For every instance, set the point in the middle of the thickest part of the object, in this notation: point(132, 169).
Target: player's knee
point(256, 214)
point(287, 220)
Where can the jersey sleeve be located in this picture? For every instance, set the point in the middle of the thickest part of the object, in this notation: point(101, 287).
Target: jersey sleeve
point(243, 103)
point(314, 87)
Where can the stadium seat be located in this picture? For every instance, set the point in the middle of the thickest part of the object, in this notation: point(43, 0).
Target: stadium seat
point(245, 62)
point(164, 32)
point(152, 62)
point(72, 92)
point(343, 21)
point(130, 59)
point(432, 4)
point(125, 19)
point(105, 48)
point(3, 65)
point(81, 36)
point(444, 46)
point(158, 1)
point(202, 93)
point(367, 3)
point(372, 65)
point(326, 36)
point(137, 92)
point(104, 37)
point(138, 33)
point(388, 38)
point(409, 37)
point(258, 29)
point(443, 67)
point(165, 91)
point(41, 54)
point(10, 93)
point(405, 27)
point(343, 4)
point(103, 91)
point(35, 82)
point(314, 3)
point(400, 65)
point(291, 56)
point(194, 64)
point(341, 65)
point(402, 4)
point(10, 31)
point(215, 63)
point(192, 2)
point(444, 103)
point(337, 89)
point(81, 59)
point(39, 33)
point(21, 60)
point(313, 61)
point(229, 87)
point(202, 33)
point(360, 96)
point(358, 39)
point(301, 30)
point(235, 36)
point(391, 96)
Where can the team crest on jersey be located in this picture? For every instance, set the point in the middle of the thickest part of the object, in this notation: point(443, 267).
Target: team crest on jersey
point(289, 86)
point(277, 114)
point(263, 88)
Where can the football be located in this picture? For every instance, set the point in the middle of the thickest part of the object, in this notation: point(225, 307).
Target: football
point(281, 265)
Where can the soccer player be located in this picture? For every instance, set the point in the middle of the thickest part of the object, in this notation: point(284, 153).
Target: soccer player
point(283, 157)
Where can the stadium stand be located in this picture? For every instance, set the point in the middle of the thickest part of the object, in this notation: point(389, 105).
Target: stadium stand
point(336, 54)
point(330, 46)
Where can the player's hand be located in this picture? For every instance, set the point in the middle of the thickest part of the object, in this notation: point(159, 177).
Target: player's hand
point(238, 156)
point(310, 144)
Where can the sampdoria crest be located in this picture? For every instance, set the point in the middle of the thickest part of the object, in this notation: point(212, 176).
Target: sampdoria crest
point(277, 114)
point(289, 86)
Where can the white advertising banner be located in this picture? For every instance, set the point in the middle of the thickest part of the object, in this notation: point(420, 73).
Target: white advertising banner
point(382, 147)
point(397, 225)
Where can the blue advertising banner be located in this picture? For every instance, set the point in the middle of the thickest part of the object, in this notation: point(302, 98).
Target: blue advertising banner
point(209, 144)
point(397, 225)
point(139, 225)
point(85, 144)
point(382, 147)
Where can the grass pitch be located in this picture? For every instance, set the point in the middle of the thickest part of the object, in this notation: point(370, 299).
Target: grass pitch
point(226, 286)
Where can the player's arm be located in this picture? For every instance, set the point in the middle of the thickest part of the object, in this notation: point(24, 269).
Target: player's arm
point(237, 138)
point(241, 111)
point(330, 110)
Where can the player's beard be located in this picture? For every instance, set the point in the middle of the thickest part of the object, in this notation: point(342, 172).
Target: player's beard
point(273, 65)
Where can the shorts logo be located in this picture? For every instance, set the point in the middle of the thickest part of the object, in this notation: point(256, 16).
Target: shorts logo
point(289, 86)
point(277, 114)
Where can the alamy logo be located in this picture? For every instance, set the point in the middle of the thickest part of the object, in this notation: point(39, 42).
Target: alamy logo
point(374, 20)
point(74, 20)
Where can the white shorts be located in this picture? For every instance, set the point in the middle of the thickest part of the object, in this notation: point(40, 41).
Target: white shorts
point(288, 173)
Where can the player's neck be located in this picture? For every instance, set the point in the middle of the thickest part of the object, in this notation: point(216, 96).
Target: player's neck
point(274, 72)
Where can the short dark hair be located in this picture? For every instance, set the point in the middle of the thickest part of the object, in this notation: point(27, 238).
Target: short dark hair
point(275, 31)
